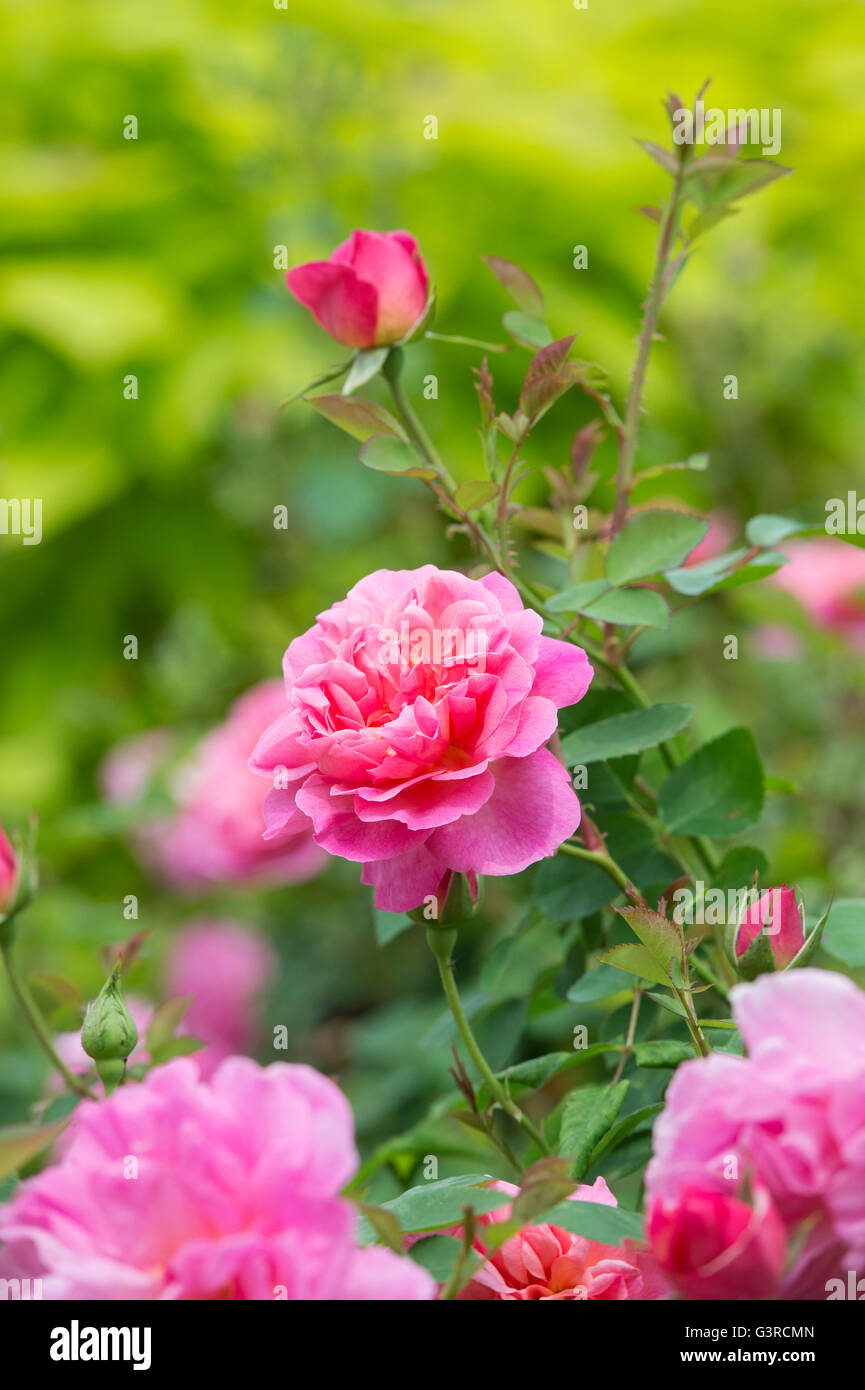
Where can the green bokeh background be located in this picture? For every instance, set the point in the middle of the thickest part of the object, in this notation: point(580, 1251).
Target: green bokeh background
point(260, 128)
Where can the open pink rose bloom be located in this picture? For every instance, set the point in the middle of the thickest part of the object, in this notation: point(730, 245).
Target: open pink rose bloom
point(790, 1118)
point(183, 1189)
point(370, 291)
point(412, 738)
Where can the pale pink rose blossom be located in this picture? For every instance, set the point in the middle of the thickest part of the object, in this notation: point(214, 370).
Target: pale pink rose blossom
point(214, 834)
point(546, 1263)
point(826, 575)
point(176, 1188)
point(224, 968)
point(718, 539)
point(790, 1116)
point(371, 290)
point(412, 736)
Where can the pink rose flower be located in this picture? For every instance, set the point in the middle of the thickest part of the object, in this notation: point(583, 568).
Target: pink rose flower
point(412, 736)
point(224, 968)
point(827, 577)
point(546, 1263)
point(215, 833)
point(8, 872)
point(789, 1116)
point(369, 293)
point(712, 1245)
point(776, 916)
point(176, 1188)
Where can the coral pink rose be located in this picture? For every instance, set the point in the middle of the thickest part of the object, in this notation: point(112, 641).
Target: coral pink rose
point(8, 872)
point(827, 576)
point(412, 736)
point(790, 1116)
point(215, 832)
point(225, 969)
point(712, 1245)
point(234, 1196)
point(546, 1263)
point(369, 293)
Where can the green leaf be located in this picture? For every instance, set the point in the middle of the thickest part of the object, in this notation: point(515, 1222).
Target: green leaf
point(716, 180)
point(662, 938)
point(630, 608)
point(519, 285)
point(437, 1255)
point(737, 868)
point(599, 983)
point(724, 572)
point(526, 329)
point(844, 932)
point(717, 791)
point(574, 600)
point(623, 1128)
point(624, 733)
point(535, 1073)
point(357, 417)
point(436, 1204)
point(365, 365)
point(472, 495)
point(385, 454)
point(636, 960)
point(768, 530)
point(20, 1143)
point(651, 542)
point(587, 1114)
point(608, 1225)
point(514, 964)
point(666, 1052)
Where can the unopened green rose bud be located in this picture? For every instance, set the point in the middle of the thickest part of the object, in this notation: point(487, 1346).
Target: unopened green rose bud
point(109, 1033)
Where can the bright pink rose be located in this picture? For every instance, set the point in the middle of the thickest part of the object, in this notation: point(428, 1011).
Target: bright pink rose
point(790, 1115)
point(215, 833)
point(413, 733)
point(777, 916)
point(8, 872)
point(370, 292)
point(712, 1245)
point(547, 1263)
point(176, 1188)
point(827, 576)
point(224, 968)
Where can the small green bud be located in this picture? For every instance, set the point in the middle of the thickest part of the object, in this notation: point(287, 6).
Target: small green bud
point(109, 1033)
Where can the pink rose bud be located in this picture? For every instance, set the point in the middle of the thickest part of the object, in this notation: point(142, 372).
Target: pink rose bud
point(8, 872)
point(713, 1246)
point(770, 935)
point(370, 292)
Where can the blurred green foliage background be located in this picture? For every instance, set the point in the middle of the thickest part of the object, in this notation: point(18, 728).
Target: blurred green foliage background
point(261, 127)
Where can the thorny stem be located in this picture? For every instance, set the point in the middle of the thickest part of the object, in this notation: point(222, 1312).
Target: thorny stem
point(441, 941)
point(648, 329)
point(31, 1012)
